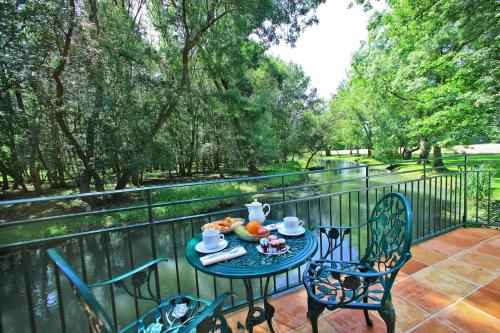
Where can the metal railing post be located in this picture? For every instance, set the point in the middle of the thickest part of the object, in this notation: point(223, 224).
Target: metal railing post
point(283, 192)
point(367, 184)
point(489, 195)
point(367, 194)
point(153, 239)
point(424, 200)
point(25, 262)
point(464, 217)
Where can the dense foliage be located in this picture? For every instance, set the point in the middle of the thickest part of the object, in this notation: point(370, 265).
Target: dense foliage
point(97, 92)
point(427, 78)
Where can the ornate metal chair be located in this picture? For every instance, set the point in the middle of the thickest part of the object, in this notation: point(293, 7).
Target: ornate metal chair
point(364, 284)
point(178, 314)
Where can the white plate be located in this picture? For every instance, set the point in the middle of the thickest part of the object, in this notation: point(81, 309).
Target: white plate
point(259, 248)
point(200, 247)
point(298, 232)
point(273, 226)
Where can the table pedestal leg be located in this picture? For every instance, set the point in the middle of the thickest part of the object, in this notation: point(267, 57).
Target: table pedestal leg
point(257, 315)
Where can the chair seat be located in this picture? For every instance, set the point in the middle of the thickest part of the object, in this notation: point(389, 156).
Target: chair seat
point(171, 315)
point(334, 289)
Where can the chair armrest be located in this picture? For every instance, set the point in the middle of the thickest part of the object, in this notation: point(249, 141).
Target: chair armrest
point(128, 274)
point(371, 274)
point(205, 313)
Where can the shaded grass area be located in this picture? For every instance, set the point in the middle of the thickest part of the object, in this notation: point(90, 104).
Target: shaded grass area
point(164, 198)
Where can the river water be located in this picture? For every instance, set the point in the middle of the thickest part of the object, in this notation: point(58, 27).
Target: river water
point(176, 276)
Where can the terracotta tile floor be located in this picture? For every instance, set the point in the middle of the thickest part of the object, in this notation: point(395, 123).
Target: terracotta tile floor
point(452, 284)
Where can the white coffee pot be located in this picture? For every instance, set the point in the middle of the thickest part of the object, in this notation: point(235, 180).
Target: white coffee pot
point(256, 211)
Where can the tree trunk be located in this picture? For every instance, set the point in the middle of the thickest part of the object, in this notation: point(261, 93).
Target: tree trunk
point(50, 175)
point(437, 162)
point(56, 155)
point(97, 72)
point(5, 181)
point(32, 139)
point(252, 168)
point(425, 149)
point(192, 143)
point(122, 179)
point(17, 176)
point(328, 152)
point(310, 158)
point(85, 158)
point(35, 176)
point(84, 186)
point(34, 172)
point(407, 152)
point(13, 165)
point(135, 179)
point(217, 154)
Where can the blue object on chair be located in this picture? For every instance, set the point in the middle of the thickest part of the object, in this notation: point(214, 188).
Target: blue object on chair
point(365, 284)
point(178, 314)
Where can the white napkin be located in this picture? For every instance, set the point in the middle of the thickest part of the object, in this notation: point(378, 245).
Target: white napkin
point(223, 256)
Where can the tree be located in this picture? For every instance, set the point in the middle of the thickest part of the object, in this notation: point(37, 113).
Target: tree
point(420, 72)
point(91, 91)
point(313, 132)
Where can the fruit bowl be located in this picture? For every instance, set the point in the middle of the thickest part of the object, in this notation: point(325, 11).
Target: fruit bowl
point(242, 233)
point(252, 238)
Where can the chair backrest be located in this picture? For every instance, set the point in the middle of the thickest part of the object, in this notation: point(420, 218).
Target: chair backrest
point(98, 319)
point(390, 232)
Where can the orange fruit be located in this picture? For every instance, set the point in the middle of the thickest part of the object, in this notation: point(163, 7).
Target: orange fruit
point(253, 227)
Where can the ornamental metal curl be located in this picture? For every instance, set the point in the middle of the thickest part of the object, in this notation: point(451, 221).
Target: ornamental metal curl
point(173, 314)
point(335, 284)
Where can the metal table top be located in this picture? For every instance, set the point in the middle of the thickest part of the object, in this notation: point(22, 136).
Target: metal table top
point(255, 264)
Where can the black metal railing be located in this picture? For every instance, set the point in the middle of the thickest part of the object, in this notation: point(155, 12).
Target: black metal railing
point(104, 234)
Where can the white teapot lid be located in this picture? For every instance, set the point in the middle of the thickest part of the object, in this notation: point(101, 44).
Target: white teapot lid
point(255, 203)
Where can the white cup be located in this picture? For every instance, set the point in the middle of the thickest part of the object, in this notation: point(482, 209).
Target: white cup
point(292, 223)
point(211, 238)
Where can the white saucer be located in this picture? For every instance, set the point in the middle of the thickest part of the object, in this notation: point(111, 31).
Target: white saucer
point(259, 248)
point(298, 232)
point(200, 247)
point(273, 226)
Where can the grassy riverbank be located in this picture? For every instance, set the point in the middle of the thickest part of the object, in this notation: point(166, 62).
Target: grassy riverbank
point(233, 193)
point(452, 163)
point(164, 197)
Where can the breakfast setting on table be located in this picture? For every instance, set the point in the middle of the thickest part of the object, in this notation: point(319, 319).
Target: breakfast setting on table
point(246, 249)
point(231, 238)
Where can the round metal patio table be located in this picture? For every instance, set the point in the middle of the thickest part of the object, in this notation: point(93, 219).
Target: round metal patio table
point(256, 265)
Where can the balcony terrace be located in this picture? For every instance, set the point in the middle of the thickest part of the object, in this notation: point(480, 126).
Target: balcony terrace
point(451, 284)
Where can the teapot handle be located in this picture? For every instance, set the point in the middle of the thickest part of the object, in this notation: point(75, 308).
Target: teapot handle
point(268, 209)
